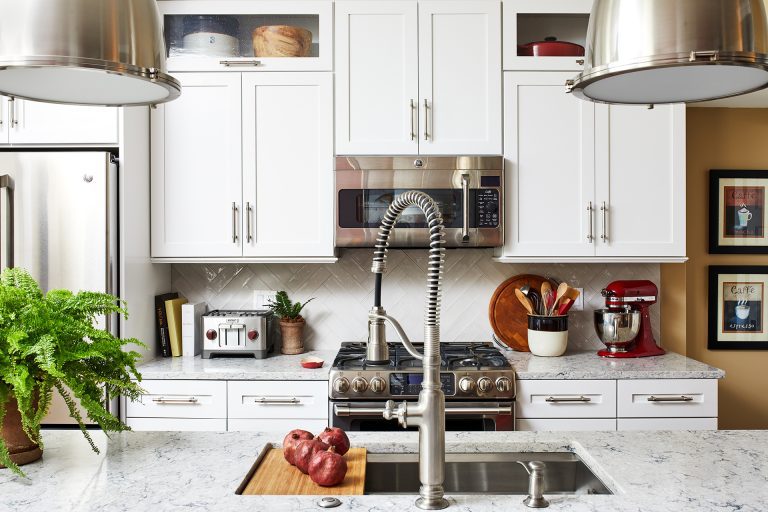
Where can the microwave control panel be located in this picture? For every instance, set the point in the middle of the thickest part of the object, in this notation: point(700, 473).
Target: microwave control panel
point(487, 208)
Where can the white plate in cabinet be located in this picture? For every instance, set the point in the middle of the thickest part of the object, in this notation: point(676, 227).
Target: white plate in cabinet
point(177, 424)
point(565, 424)
point(659, 398)
point(667, 424)
point(180, 399)
point(566, 399)
point(281, 426)
point(278, 399)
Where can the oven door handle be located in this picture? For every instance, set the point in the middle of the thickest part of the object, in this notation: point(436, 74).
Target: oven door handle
point(344, 410)
point(465, 208)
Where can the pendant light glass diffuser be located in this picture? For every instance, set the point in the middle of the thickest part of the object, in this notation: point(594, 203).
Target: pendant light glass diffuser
point(673, 51)
point(84, 52)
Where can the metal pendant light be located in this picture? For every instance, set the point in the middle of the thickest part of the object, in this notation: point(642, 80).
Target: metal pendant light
point(673, 51)
point(84, 52)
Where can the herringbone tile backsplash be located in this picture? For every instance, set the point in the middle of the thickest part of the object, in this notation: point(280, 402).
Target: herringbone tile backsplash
point(344, 292)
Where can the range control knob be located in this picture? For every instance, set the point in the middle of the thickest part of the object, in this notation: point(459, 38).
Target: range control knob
point(467, 384)
point(341, 385)
point(504, 385)
point(211, 334)
point(484, 385)
point(359, 385)
point(378, 385)
point(253, 334)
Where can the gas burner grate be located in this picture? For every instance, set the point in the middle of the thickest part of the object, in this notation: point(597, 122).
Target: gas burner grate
point(351, 356)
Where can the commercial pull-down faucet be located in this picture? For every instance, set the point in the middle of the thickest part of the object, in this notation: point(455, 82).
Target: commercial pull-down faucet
point(429, 412)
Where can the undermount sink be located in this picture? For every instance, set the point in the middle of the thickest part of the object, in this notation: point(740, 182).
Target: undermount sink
point(483, 473)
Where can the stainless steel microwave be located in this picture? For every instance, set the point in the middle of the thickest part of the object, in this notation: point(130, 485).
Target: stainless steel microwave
point(468, 189)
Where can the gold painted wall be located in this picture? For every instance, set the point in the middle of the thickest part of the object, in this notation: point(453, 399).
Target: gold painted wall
point(718, 138)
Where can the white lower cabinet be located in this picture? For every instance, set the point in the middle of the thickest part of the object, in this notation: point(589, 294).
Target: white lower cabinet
point(217, 405)
point(635, 404)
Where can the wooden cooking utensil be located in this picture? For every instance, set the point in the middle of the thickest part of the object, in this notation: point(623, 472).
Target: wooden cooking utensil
point(524, 301)
point(561, 291)
point(508, 317)
point(565, 305)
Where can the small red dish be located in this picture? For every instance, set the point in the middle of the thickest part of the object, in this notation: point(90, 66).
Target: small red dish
point(312, 362)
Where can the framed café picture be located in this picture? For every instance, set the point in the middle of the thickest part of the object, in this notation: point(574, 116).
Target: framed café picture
point(738, 318)
point(737, 212)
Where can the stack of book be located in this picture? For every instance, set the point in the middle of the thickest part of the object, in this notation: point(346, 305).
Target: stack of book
point(178, 325)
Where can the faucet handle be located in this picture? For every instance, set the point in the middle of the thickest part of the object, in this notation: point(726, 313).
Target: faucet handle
point(389, 410)
point(392, 411)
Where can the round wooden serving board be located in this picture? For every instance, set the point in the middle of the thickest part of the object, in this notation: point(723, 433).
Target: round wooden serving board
point(508, 317)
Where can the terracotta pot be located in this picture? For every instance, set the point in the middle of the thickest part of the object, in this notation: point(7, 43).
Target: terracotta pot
point(22, 449)
point(293, 336)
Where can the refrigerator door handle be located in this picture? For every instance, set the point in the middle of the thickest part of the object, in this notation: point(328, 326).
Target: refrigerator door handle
point(6, 241)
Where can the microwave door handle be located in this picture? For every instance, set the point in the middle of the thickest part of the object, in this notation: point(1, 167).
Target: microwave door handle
point(465, 208)
point(7, 245)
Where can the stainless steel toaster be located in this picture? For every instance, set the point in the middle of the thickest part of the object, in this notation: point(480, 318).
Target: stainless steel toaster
point(230, 333)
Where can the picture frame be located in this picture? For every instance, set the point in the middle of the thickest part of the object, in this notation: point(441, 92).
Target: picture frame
point(738, 213)
point(738, 317)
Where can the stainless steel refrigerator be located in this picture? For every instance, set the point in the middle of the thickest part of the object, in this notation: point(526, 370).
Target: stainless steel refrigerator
point(58, 220)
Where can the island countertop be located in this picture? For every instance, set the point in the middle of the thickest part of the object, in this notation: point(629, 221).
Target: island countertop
point(706, 471)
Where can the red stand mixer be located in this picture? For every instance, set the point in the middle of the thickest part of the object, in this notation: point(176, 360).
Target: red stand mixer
point(625, 325)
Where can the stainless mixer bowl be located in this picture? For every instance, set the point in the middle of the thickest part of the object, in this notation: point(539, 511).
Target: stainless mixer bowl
point(617, 328)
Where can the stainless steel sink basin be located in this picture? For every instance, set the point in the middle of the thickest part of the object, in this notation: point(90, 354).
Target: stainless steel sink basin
point(483, 473)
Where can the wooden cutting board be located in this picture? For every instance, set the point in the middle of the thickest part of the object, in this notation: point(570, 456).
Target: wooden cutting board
point(508, 317)
point(274, 476)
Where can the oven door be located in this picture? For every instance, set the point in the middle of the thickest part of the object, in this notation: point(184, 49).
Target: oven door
point(470, 203)
point(463, 416)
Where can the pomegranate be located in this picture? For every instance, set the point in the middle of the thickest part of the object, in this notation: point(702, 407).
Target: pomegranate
point(291, 440)
point(304, 452)
point(334, 436)
point(327, 468)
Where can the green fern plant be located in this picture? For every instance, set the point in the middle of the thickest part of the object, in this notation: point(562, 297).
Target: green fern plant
point(50, 341)
point(285, 309)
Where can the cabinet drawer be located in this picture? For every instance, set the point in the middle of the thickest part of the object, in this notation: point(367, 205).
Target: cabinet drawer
point(566, 399)
point(180, 399)
point(278, 399)
point(659, 398)
point(565, 425)
point(178, 425)
point(667, 424)
point(280, 426)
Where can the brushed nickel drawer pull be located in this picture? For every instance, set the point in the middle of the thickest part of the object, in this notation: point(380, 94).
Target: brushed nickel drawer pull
point(165, 401)
point(426, 120)
point(277, 401)
point(414, 113)
point(604, 210)
point(233, 63)
point(568, 399)
point(234, 223)
point(681, 398)
point(590, 234)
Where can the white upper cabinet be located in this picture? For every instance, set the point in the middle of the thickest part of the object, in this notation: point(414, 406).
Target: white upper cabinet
point(24, 122)
point(377, 70)
point(288, 164)
point(418, 77)
point(640, 178)
point(549, 152)
point(196, 169)
point(220, 35)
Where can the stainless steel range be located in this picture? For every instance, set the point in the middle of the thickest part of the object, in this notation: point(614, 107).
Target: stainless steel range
point(478, 382)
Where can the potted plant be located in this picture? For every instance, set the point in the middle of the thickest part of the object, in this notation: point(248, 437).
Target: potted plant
point(291, 322)
point(50, 342)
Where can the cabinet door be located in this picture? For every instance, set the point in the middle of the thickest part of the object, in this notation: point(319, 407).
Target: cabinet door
point(666, 424)
point(4, 120)
point(565, 424)
point(460, 77)
point(377, 78)
point(640, 177)
point(45, 123)
point(196, 169)
point(288, 164)
point(566, 399)
point(549, 151)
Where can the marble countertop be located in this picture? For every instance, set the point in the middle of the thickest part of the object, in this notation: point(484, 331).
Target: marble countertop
point(162, 471)
point(573, 365)
point(277, 367)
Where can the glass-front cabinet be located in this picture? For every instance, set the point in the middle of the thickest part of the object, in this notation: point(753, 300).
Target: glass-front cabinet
point(241, 35)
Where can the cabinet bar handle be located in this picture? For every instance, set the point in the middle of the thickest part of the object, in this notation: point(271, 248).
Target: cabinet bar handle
point(1, 111)
point(163, 400)
point(604, 210)
point(414, 113)
point(590, 234)
point(248, 222)
point(277, 401)
point(681, 398)
point(234, 63)
point(234, 223)
point(12, 112)
point(572, 399)
point(426, 120)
